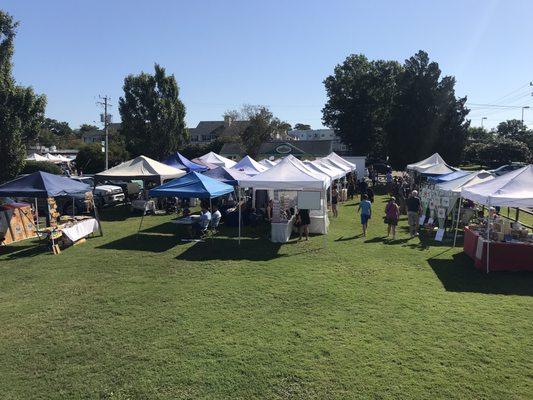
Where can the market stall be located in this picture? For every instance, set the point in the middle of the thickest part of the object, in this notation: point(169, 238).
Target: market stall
point(433, 165)
point(249, 166)
point(179, 161)
point(340, 161)
point(500, 243)
point(287, 179)
point(226, 175)
point(216, 159)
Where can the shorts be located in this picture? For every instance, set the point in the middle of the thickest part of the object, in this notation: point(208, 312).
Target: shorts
point(364, 218)
point(391, 221)
point(412, 218)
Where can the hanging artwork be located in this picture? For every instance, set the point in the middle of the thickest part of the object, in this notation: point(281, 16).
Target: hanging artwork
point(441, 212)
point(445, 202)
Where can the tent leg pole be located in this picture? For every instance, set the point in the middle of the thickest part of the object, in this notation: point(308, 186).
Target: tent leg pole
point(73, 207)
point(239, 205)
point(488, 236)
point(37, 213)
point(211, 211)
point(142, 219)
point(457, 222)
point(97, 216)
point(325, 214)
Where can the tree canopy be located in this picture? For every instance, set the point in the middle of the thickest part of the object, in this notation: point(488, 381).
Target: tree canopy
point(381, 108)
point(22, 111)
point(302, 127)
point(153, 116)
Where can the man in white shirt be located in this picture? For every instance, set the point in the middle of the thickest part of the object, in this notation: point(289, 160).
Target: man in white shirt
point(215, 217)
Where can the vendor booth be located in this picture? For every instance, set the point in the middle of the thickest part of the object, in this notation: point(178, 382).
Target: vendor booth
point(36, 157)
point(60, 229)
point(341, 161)
point(499, 243)
point(287, 178)
point(249, 166)
point(179, 161)
point(433, 165)
point(229, 176)
point(216, 159)
point(267, 163)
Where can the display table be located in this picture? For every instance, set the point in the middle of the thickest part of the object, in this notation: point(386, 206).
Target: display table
point(502, 257)
point(319, 224)
point(186, 220)
point(80, 229)
point(281, 231)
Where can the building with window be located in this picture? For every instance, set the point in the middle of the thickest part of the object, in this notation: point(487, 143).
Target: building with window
point(319, 134)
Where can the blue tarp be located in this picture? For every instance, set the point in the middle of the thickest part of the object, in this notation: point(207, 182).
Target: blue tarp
point(192, 185)
point(179, 161)
point(448, 177)
point(42, 184)
point(227, 175)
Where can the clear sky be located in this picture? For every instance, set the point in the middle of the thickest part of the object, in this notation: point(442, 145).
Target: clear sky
point(274, 53)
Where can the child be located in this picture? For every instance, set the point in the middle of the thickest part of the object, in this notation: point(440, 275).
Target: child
point(365, 206)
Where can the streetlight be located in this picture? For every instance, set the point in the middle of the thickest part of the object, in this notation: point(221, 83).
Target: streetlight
point(524, 108)
point(482, 121)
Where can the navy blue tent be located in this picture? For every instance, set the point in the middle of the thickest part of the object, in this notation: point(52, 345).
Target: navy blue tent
point(42, 184)
point(227, 175)
point(179, 161)
point(448, 177)
point(192, 185)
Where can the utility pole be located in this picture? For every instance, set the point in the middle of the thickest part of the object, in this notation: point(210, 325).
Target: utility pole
point(524, 108)
point(106, 104)
point(482, 119)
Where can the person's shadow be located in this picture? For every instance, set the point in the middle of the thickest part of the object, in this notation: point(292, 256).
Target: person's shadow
point(344, 239)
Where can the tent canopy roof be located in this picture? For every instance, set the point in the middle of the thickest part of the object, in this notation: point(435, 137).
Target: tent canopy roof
point(42, 184)
point(470, 179)
point(217, 159)
point(179, 161)
point(267, 163)
point(227, 175)
point(191, 185)
point(249, 166)
point(36, 157)
point(514, 189)
point(141, 167)
point(288, 174)
point(341, 161)
point(433, 165)
point(336, 172)
point(449, 177)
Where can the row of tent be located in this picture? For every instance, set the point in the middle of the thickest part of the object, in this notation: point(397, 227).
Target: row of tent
point(56, 159)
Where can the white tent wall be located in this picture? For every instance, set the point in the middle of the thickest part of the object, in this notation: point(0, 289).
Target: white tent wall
point(360, 164)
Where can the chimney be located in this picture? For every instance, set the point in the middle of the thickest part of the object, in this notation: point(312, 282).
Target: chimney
point(227, 120)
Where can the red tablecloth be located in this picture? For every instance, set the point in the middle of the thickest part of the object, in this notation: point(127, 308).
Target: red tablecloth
point(502, 257)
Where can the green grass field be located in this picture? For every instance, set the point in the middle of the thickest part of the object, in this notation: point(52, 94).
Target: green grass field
point(149, 317)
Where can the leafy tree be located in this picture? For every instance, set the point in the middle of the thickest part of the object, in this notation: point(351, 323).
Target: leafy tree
point(194, 150)
point(426, 116)
point(516, 130)
point(21, 109)
point(33, 166)
point(88, 128)
point(478, 134)
point(497, 151)
point(360, 93)
point(153, 116)
point(90, 159)
point(302, 127)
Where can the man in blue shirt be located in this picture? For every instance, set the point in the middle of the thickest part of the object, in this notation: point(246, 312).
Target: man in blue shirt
point(365, 206)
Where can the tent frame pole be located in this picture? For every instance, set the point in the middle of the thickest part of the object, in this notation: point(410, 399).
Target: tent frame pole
point(488, 235)
point(325, 215)
point(457, 222)
point(239, 205)
point(97, 216)
point(142, 218)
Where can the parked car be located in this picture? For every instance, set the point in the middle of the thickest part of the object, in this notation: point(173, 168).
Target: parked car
point(104, 195)
point(380, 167)
point(131, 189)
point(507, 168)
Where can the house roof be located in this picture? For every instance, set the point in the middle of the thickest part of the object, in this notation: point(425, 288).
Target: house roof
point(316, 148)
point(219, 129)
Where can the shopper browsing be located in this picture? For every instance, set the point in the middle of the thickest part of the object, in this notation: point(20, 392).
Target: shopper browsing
point(365, 207)
point(414, 207)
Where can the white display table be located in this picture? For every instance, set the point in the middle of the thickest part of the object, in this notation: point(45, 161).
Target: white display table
point(319, 224)
point(80, 229)
point(281, 231)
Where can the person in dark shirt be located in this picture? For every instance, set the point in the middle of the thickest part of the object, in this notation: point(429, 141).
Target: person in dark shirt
point(303, 220)
point(363, 186)
point(414, 206)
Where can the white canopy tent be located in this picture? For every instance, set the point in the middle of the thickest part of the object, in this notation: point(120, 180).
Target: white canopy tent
point(341, 161)
point(334, 172)
point(55, 159)
point(434, 165)
point(335, 164)
point(143, 168)
point(267, 163)
point(216, 159)
point(36, 157)
point(514, 189)
point(455, 186)
point(249, 166)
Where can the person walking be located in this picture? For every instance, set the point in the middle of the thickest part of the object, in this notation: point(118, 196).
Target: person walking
point(334, 201)
point(365, 207)
point(303, 220)
point(392, 214)
point(389, 183)
point(414, 206)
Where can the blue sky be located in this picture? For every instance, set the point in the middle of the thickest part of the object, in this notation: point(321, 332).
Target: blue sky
point(274, 53)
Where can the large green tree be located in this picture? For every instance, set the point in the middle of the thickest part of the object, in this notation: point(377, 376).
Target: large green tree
point(426, 116)
point(21, 110)
point(302, 127)
point(515, 129)
point(153, 116)
point(360, 93)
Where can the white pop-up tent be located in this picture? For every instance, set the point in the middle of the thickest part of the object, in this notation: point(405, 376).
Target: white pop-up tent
point(513, 189)
point(330, 169)
point(216, 159)
point(433, 165)
point(455, 186)
point(341, 161)
point(335, 164)
point(267, 163)
point(143, 168)
point(249, 166)
point(36, 157)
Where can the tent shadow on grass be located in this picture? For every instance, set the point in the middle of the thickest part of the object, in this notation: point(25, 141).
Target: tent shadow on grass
point(143, 242)
point(220, 248)
point(117, 213)
point(21, 251)
point(459, 275)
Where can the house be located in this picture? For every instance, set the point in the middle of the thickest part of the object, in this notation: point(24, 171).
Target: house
point(208, 131)
point(304, 149)
point(98, 135)
point(319, 134)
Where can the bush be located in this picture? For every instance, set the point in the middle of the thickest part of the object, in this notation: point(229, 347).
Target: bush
point(33, 166)
point(497, 152)
point(91, 159)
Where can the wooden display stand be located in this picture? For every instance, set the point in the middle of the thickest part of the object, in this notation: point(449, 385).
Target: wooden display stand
point(17, 223)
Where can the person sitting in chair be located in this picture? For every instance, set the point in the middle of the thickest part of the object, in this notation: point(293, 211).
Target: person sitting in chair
point(215, 217)
point(201, 226)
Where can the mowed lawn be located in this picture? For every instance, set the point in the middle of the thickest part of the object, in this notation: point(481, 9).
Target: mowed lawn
point(149, 317)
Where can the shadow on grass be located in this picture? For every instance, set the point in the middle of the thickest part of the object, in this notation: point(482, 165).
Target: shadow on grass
point(29, 250)
point(118, 213)
point(344, 239)
point(144, 242)
point(219, 248)
point(459, 275)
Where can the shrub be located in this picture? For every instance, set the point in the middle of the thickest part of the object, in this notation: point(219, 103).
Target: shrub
point(33, 166)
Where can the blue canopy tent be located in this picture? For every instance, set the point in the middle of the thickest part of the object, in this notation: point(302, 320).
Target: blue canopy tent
point(229, 176)
point(179, 161)
point(448, 177)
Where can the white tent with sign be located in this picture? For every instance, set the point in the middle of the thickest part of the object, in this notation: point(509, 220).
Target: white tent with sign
point(216, 159)
point(341, 161)
point(249, 166)
point(433, 165)
point(291, 175)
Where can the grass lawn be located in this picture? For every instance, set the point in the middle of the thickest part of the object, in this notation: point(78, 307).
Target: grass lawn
point(150, 317)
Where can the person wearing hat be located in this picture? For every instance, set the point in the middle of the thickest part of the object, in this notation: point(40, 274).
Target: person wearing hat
point(414, 206)
point(392, 214)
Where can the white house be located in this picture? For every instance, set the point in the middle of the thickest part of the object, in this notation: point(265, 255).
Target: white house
point(319, 134)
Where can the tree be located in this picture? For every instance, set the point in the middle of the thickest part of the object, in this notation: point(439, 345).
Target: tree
point(22, 111)
point(426, 116)
point(515, 129)
point(153, 116)
point(478, 134)
point(90, 159)
point(360, 93)
point(502, 151)
point(302, 127)
point(57, 133)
